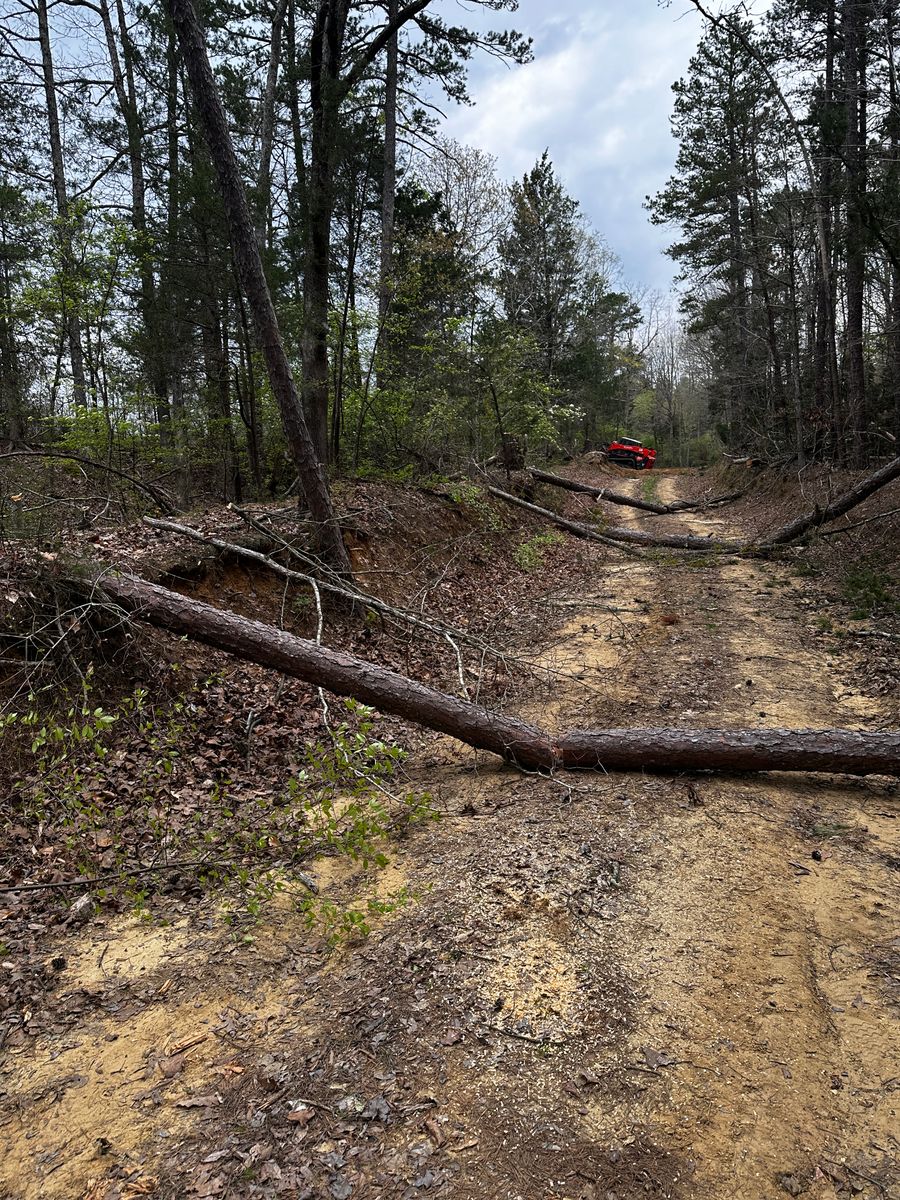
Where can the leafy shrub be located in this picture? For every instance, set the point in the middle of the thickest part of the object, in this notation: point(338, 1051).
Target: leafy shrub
point(530, 555)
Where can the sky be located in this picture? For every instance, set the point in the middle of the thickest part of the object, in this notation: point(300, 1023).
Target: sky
point(598, 97)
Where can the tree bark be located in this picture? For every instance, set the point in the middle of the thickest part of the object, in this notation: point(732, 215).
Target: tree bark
point(267, 125)
point(791, 532)
point(70, 315)
point(326, 49)
point(247, 255)
point(856, 753)
point(574, 527)
point(675, 541)
point(632, 501)
point(821, 516)
point(389, 176)
point(126, 96)
point(853, 27)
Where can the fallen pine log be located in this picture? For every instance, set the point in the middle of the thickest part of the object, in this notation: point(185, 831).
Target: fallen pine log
point(862, 490)
point(574, 527)
point(616, 537)
point(599, 493)
point(651, 506)
point(793, 531)
point(856, 753)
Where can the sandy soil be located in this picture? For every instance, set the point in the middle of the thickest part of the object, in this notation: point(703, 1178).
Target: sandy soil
point(604, 987)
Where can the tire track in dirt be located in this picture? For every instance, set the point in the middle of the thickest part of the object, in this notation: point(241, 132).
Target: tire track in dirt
point(759, 962)
point(607, 985)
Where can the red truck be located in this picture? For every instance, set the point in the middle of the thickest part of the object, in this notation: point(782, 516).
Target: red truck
point(629, 453)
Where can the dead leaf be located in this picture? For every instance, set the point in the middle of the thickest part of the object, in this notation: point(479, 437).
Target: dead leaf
point(171, 1066)
point(230, 1069)
point(585, 1078)
point(140, 1187)
point(301, 1116)
point(198, 1101)
point(435, 1132)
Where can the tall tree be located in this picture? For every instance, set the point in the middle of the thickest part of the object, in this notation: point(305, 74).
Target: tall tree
point(65, 215)
point(540, 272)
point(253, 279)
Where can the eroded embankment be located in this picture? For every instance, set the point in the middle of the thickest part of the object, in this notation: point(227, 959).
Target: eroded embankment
point(606, 985)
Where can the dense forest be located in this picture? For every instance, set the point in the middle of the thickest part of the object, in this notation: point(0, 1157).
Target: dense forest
point(429, 308)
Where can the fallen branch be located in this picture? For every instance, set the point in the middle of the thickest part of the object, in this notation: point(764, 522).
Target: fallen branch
point(157, 495)
point(857, 753)
point(651, 506)
point(793, 532)
point(347, 592)
point(892, 512)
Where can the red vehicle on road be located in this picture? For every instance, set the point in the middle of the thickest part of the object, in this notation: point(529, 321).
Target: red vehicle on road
point(629, 453)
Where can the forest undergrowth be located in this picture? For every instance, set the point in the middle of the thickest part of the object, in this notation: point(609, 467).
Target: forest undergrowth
point(254, 799)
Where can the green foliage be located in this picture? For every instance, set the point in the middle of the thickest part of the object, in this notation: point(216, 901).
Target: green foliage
point(529, 555)
point(871, 590)
point(478, 502)
point(339, 803)
point(338, 925)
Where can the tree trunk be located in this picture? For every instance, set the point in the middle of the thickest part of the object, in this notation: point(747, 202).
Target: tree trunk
point(253, 279)
point(126, 96)
point(854, 35)
point(511, 739)
point(792, 532)
point(70, 316)
point(574, 527)
point(821, 516)
point(632, 501)
point(326, 47)
point(389, 176)
point(825, 354)
point(267, 125)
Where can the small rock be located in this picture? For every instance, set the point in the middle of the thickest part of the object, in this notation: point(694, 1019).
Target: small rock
point(792, 1185)
point(82, 910)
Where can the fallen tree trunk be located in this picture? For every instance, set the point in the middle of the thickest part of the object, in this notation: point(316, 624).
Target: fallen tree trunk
point(800, 526)
point(341, 673)
point(650, 506)
point(615, 537)
point(517, 741)
point(793, 531)
point(574, 527)
point(846, 751)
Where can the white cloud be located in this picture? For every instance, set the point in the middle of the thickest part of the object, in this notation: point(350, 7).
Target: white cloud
point(598, 96)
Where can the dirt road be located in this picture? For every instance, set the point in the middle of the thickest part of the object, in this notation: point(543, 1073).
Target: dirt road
point(604, 986)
